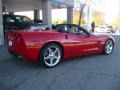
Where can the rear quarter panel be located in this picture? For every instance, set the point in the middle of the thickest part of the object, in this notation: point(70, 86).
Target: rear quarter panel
point(34, 42)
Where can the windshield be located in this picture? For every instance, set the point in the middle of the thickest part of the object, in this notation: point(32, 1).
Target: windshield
point(23, 19)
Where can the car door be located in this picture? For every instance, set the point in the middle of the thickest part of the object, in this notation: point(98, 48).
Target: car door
point(71, 42)
point(75, 42)
point(81, 41)
point(89, 43)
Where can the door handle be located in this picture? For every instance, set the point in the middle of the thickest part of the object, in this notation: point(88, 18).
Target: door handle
point(66, 36)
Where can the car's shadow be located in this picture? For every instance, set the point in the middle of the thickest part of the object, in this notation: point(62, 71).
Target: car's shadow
point(82, 58)
point(19, 62)
point(25, 63)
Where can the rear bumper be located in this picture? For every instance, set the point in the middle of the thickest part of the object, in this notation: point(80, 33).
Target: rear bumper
point(30, 54)
point(19, 46)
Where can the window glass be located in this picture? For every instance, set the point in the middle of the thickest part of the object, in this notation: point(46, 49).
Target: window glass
point(9, 20)
point(62, 28)
point(75, 30)
point(23, 19)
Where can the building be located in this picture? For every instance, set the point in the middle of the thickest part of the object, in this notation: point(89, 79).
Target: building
point(36, 5)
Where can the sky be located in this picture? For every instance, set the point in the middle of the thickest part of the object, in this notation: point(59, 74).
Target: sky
point(110, 8)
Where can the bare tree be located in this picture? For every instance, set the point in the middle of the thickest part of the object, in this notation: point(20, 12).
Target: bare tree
point(82, 5)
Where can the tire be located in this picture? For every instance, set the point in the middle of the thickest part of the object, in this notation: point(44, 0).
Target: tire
point(51, 55)
point(108, 47)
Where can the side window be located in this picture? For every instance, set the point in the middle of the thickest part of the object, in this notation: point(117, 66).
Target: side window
point(19, 19)
point(76, 30)
point(73, 29)
point(62, 28)
point(9, 20)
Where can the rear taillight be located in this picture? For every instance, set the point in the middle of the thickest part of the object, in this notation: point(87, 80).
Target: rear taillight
point(13, 36)
point(8, 36)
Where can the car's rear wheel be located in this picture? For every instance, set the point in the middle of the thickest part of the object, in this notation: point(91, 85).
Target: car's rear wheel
point(108, 47)
point(51, 55)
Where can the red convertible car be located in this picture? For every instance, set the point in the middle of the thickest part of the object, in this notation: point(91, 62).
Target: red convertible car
point(51, 46)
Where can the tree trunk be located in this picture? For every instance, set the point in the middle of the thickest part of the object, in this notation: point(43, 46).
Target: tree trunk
point(80, 16)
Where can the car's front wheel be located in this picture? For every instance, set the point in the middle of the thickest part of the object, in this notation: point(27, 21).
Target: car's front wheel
point(108, 47)
point(51, 55)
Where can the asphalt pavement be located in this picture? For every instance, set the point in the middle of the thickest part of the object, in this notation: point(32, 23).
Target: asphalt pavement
point(95, 72)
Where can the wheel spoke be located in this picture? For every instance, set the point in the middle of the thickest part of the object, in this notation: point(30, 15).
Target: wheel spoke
point(110, 43)
point(111, 48)
point(51, 62)
point(49, 49)
point(56, 57)
point(56, 50)
point(46, 58)
point(108, 50)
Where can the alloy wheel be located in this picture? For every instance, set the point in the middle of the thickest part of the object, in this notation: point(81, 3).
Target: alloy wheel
point(52, 55)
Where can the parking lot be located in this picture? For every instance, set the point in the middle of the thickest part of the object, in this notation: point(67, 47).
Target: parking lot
point(95, 72)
